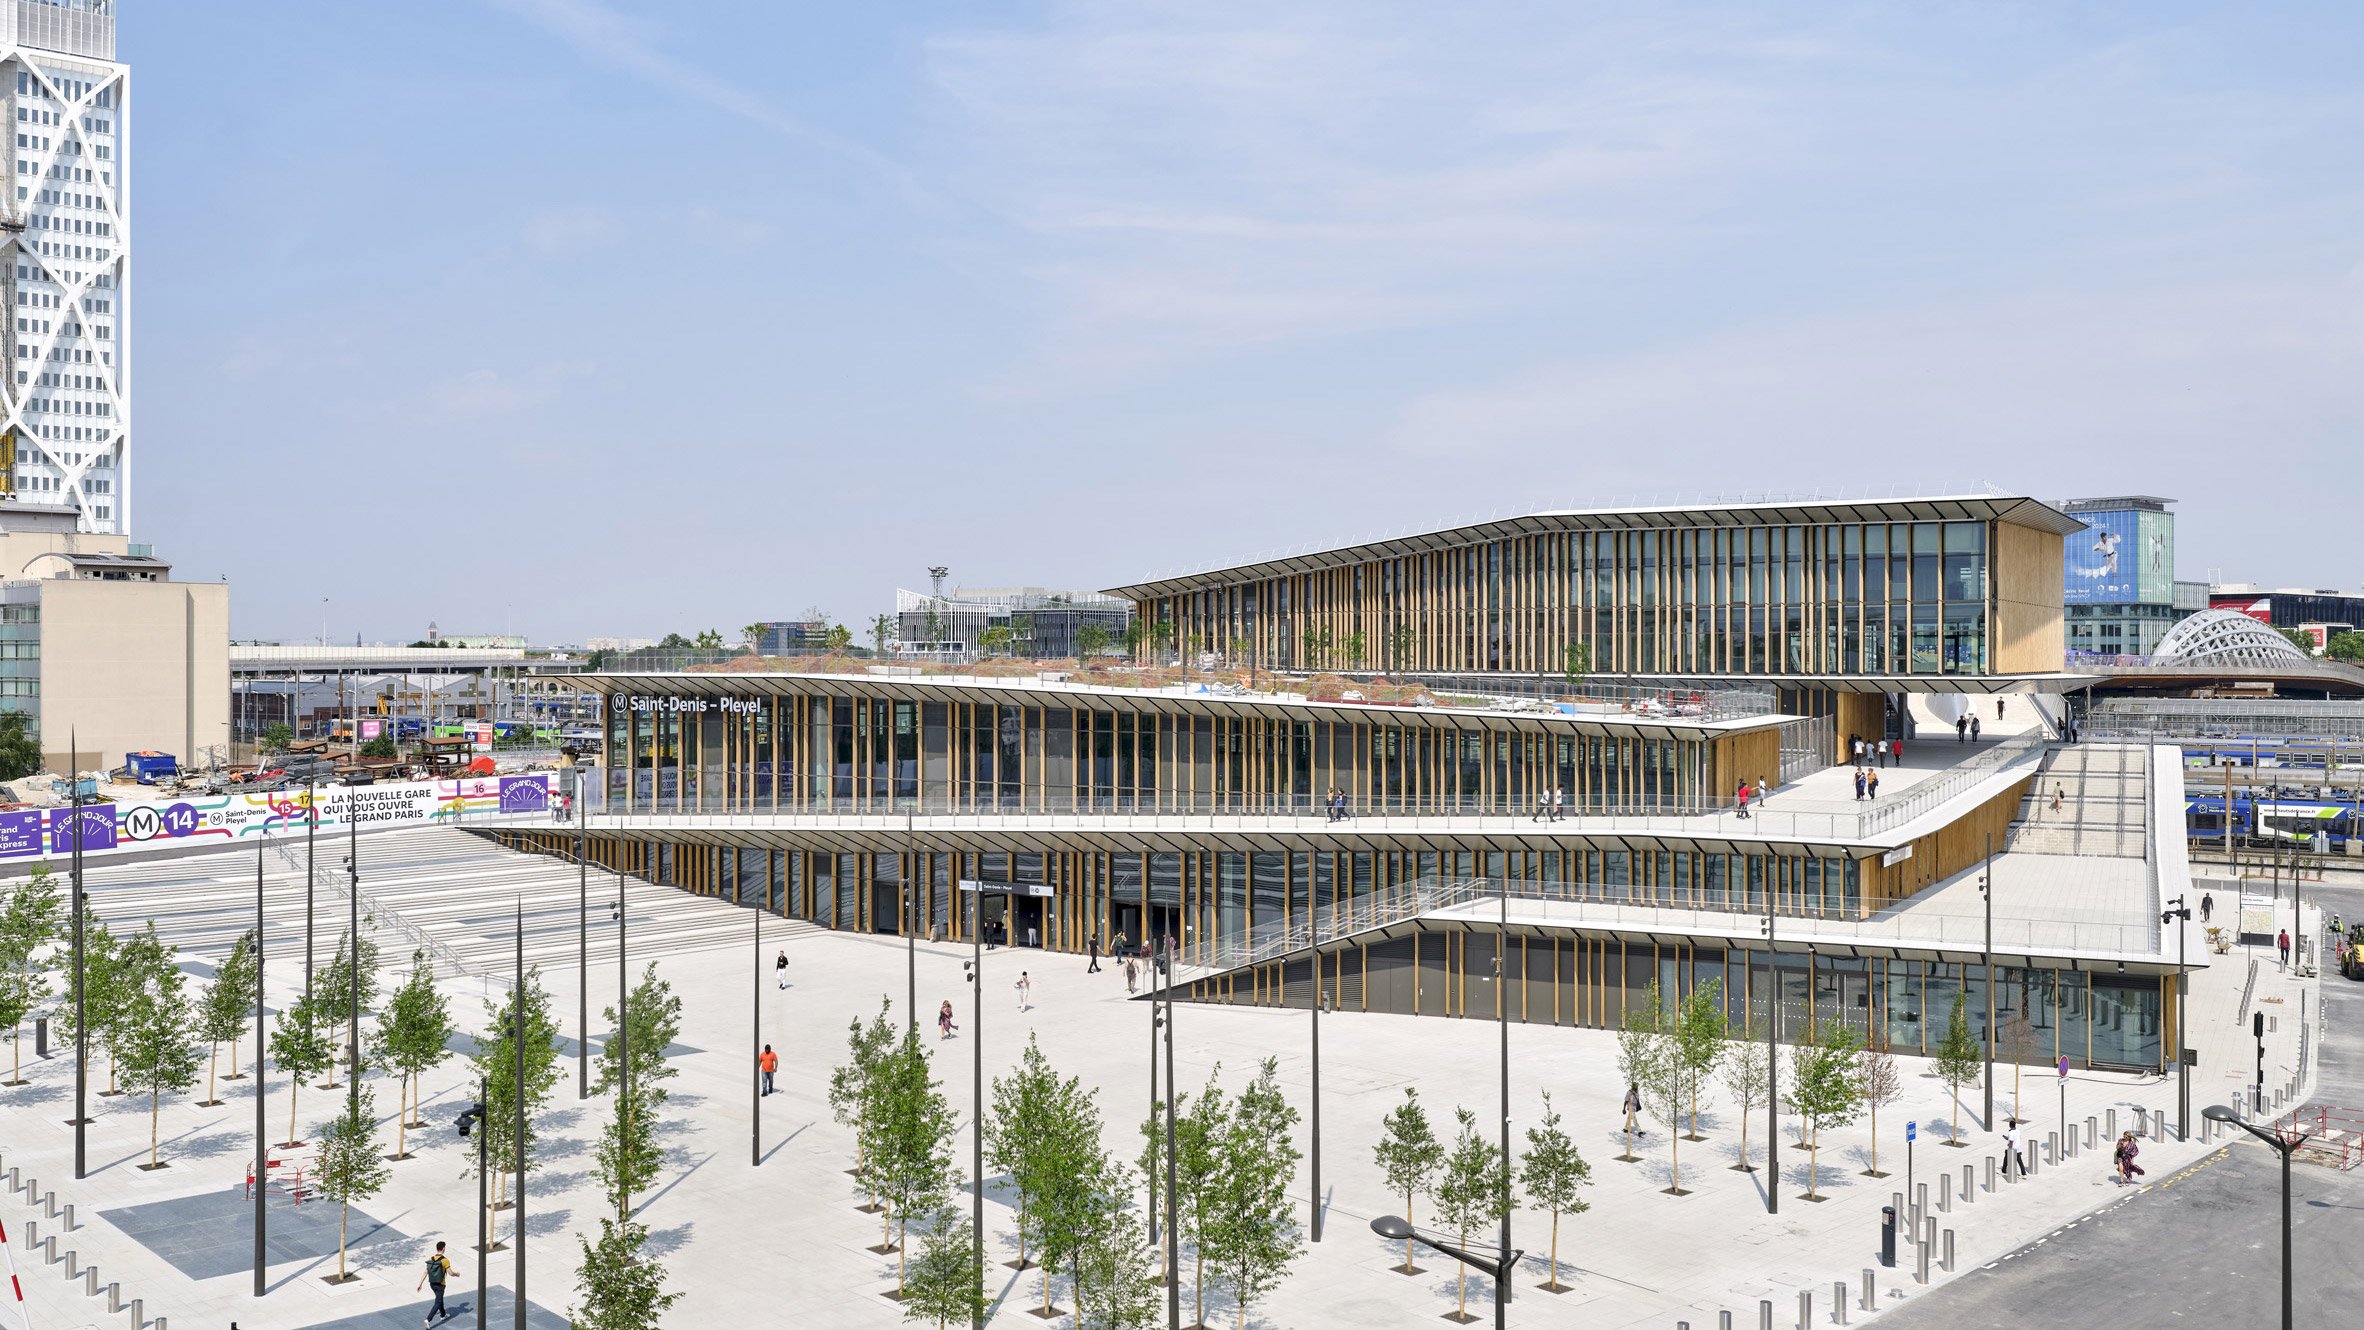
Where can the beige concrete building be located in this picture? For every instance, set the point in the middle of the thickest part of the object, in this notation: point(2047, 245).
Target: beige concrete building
point(100, 648)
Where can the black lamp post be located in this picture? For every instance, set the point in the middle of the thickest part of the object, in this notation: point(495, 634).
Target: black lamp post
point(1314, 928)
point(1986, 894)
point(1498, 1265)
point(755, 1039)
point(1502, 1019)
point(1772, 1064)
point(262, 1150)
point(81, 986)
point(518, 1036)
point(2287, 1145)
point(582, 946)
point(1165, 962)
point(2180, 915)
point(975, 965)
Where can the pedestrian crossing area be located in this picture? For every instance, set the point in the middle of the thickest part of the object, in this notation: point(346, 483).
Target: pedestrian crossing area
point(449, 892)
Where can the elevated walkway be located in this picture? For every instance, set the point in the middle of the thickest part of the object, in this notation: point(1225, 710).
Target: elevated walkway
point(2088, 800)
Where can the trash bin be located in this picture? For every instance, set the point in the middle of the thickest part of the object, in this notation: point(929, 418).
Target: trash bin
point(1888, 1236)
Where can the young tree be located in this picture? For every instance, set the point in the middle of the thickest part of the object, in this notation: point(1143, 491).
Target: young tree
point(1472, 1194)
point(20, 752)
point(628, 1145)
point(102, 987)
point(349, 1167)
point(1399, 642)
point(276, 738)
point(1748, 1080)
point(1252, 1235)
point(1068, 1176)
point(1698, 1035)
point(1576, 662)
point(1553, 1172)
point(1823, 1092)
point(302, 1051)
point(1356, 646)
point(29, 920)
point(1877, 1084)
point(222, 1014)
point(1408, 1155)
point(1113, 1289)
point(156, 1041)
point(414, 1037)
point(1090, 640)
point(849, 1084)
point(1199, 1127)
point(941, 1284)
point(619, 1285)
point(333, 993)
point(709, 639)
point(1023, 1103)
point(910, 1157)
point(1959, 1059)
point(496, 1068)
point(882, 631)
point(1642, 1054)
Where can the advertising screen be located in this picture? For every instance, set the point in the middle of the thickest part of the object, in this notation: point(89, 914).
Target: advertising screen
point(2103, 559)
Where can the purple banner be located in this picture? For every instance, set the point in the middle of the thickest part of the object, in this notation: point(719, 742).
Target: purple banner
point(98, 828)
point(20, 833)
point(524, 794)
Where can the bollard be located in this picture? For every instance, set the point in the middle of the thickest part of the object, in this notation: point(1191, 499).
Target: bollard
point(1948, 1261)
point(1869, 1295)
point(1921, 1264)
point(1838, 1301)
point(2112, 1116)
point(1764, 1314)
point(2091, 1126)
point(32, 1233)
point(1990, 1175)
point(69, 1216)
point(90, 1281)
point(49, 1205)
point(1805, 1309)
point(1969, 1183)
point(1887, 1239)
point(73, 1268)
point(49, 1250)
point(1896, 1205)
point(139, 1313)
point(1920, 1208)
point(114, 1297)
point(1723, 1321)
point(1945, 1193)
point(12, 1178)
point(2051, 1147)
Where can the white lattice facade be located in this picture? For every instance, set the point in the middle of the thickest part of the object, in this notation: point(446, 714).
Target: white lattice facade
point(65, 415)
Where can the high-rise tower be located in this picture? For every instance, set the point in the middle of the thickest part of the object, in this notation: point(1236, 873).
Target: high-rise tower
point(65, 419)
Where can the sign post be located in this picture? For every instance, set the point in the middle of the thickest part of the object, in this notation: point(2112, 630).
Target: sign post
point(1912, 1132)
point(2064, 1096)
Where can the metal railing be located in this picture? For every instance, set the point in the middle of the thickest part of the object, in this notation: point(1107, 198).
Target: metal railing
point(1686, 699)
point(374, 911)
point(1924, 796)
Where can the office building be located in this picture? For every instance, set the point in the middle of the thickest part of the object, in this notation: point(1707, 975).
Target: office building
point(2290, 607)
point(65, 405)
point(2119, 595)
point(1033, 622)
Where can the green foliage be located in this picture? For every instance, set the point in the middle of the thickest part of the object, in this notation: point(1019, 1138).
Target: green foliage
point(1408, 1154)
point(1644, 1053)
point(839, 637)
point(908, 1154)
point(276, 738)
point(1576, 661)
point(382, 746)
point(496, 1067)
point(1357, 647)
point(941, 1284)
point(1960, 1059)
point(1474, 1191)
point(156, 1041)
point(850, 1084)
point(349, 1167)
point(628, 1156)
point(1250, 1234)
point(882, 631)
point(1113, 1287)
point(221, 1016)
point(1045, 1133)
point(30, 919)
point(2346, 645)
point(414, 1035)
point(1400, 641)
point(750, 635)
point(1200, 1125)
point(1695, 1045)
point(997, 639)
point(709, 639)
point(1877, 1083)
point(333, 988)
point(2303, 640)
point(1090, 640)
point(20, 752)
point(1825, 1090)
point(618, 1285)
point(675, 642)
point(1553, 1172)
point(1747, 1075)
point(299, 1044)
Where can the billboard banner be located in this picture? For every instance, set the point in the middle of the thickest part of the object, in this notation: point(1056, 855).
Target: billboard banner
point(234, 819)
point(2154, 558)
point(2123, 557)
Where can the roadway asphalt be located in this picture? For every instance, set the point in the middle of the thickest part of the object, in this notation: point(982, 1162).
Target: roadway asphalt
point(2203, 1246)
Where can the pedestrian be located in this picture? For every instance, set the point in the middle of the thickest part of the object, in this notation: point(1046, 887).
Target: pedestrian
point(1974, 729)
point(437, 1275)
point(1998, 708)
point(2057, 794)
point(1092, 949)
point(2282, 944)
point(1871, 787)
point(769, 1064)
point(780, 967)
point(1025, 988)
point(1633, 1108)
point(2207, 906)
point(944, 1020)
point(1033, 935)
point(1961, 728)
point(1117, 948)
point(1741, 798)
point(1559, 803)
point(2128, 1170)
point(2011, 1153)
point(1880, 753)
point(1896, 753)
point(1859, 775)
point(1132, 975)
point(1542, 805)
point(1762, 791)
point(1858, 749)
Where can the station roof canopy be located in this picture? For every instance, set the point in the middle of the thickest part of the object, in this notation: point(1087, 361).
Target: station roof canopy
point(2016, 509)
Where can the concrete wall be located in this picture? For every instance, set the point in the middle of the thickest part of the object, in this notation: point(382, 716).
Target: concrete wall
point(26, 552)
point(131, 665)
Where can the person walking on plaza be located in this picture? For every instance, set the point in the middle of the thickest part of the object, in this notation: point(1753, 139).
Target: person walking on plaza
point(1880, 753)
point(2057, 795)
point(1559, 803)
point(1632, 1109)
point(2207, 907)
point(1741, 798)
point(1896, 752)
point(1132, 975)
point(2282, 944)
point(780, 968)
point(769, 1065)
point(1117, 948)
point(944, 1023)
point(438, 1274)
point(2011, 1155)
point(1998, 708)
point(1974, 729)
point(1961, 729)
point(1859, 775)
point(1092, 949)
point(1542, 805)
point(1025, 988)
point(1763, 791)
point(2128, 1170)
point(1857, 744)
point(1871, 786)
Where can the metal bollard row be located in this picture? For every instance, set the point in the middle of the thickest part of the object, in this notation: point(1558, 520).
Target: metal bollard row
point(1969, 1183)
point(1947, 1262)
point(1838, 1301)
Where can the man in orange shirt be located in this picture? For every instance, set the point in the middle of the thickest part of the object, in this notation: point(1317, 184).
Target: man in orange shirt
point(770, 1063)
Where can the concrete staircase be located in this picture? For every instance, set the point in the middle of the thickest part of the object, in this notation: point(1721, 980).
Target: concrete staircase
point(2101, 792)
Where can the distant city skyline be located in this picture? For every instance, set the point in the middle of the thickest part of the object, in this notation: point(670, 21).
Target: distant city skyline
point(590, 320)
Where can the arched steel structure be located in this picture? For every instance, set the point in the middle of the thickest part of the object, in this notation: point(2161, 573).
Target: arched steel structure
point(2224, 637)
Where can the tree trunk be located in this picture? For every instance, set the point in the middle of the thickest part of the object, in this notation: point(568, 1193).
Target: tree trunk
point(901, 1244)
point(1461, 1282)
point(1046, 1290)
point(1813, 1161)
point(233, 1059)
point(1674, 1156)
point(294, 1083)
point(343, 1208)
point(153, 1097)
point(1555, 1249)
point(1198, 1284)
point(401, 1116)
point(1407, 1219)
point(213, 1060)
point(1875, 1121)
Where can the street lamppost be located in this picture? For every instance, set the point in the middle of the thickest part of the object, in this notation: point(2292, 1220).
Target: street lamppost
point(2180, 915)
point(755, 1041)
point(262, 1150)
point(1986, 895)
point(2287, 1145)
point(1165, 963)
point(517, 1036)
point(975, 966)
point(1772, 1065)
point(1314, 928)
point(582, 939)
point(1502, 1019)
point(1394, 1229)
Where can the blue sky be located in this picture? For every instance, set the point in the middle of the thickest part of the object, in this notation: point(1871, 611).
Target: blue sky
point(578, 318)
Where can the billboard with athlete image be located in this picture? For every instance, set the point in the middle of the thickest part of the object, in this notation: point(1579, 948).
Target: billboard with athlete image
point(2122, 557)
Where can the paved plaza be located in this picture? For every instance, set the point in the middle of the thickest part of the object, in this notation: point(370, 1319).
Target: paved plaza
point(785, 1243)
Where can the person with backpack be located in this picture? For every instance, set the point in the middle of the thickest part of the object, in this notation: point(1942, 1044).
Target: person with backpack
point(438, 1274)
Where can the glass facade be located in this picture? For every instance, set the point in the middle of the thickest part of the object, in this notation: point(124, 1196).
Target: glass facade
point(1694, 599)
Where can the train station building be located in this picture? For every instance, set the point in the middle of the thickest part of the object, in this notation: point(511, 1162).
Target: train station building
point(1368, 772)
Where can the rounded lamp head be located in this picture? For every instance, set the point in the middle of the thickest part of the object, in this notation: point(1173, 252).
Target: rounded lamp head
point(1391, 1226)
point(2218, 1113)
